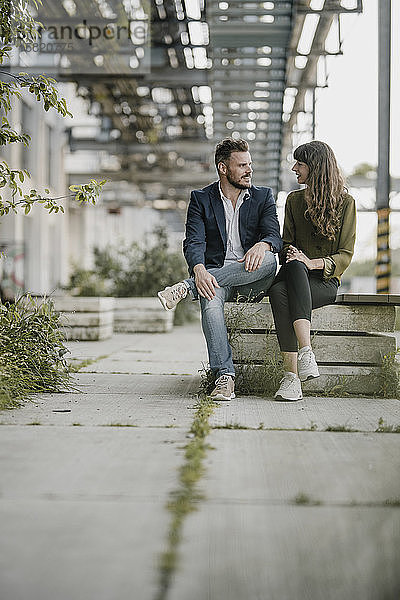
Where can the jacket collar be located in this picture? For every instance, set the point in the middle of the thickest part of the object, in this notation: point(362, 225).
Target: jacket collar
point(219, 212)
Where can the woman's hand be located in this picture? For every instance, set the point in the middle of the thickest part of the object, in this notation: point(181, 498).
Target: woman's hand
point(294, 253)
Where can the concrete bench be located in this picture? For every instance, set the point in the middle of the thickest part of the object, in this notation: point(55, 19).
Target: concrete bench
point(350, 339)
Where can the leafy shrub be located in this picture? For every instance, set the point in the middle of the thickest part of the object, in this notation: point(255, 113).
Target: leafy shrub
point(131, 271)
point(87, 283)
point(31, 351)
point(134, 271)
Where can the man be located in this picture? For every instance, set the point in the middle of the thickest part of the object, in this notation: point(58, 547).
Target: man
point(232, 233)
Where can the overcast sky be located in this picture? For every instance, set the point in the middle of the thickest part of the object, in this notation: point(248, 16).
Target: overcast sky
point(346, 112)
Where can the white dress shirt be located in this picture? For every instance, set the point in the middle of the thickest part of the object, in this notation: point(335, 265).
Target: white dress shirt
point(234, 249)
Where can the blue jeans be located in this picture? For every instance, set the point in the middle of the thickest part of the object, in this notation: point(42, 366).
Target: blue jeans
point(233, 279)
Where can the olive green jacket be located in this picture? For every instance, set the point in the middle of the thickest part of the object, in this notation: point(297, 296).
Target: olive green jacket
point(301, 233)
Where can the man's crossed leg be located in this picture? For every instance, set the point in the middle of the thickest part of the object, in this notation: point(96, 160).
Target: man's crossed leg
point(232, 280)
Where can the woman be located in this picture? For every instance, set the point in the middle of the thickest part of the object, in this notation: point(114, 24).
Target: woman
point(318, 236)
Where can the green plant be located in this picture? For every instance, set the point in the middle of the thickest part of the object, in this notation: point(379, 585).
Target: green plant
point(390, 380)
point(135, 270)
point(86, 283)
point(385, 428)
point(232, 426)
point(32, 351)
point(150, 267)
point(263, 376)
point(75, 365)
point(340, 428)
point(304, 499)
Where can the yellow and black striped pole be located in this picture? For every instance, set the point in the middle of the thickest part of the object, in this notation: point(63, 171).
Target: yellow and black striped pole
point(383, 262)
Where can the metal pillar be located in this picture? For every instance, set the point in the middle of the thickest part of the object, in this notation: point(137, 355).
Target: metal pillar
point(383, 262)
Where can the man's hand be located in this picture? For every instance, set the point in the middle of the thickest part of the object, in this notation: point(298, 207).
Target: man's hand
point(205, 282)
point(254, 256)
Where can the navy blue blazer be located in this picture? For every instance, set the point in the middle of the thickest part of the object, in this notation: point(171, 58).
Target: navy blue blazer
point(205, 240)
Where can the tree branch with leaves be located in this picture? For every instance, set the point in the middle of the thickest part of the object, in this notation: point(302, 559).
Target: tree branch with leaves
point(18, 27)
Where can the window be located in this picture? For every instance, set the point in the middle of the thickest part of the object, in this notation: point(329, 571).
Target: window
point(28, 152)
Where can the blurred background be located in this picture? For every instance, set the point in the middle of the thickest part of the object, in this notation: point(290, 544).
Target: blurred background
point(153, 86)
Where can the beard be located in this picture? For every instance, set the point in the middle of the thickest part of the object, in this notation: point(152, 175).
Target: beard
point(237, 183)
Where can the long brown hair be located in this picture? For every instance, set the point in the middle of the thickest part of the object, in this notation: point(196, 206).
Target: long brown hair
point(325, 189)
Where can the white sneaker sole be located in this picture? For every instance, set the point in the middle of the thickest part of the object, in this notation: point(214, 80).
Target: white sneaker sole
point(307, 376)
point(163, 301)
point(222, 397)
point(280, 398)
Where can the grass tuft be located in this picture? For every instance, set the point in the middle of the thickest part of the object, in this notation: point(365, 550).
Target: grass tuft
point(392, 502)
point(390, 379)
point(386, 428)
point(232, 426)
point(120, 425)
point(75, 366)
point(305, 500)
point(32, 351)
point(340, 428)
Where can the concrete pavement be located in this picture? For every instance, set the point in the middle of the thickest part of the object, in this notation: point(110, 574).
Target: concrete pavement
point(292, 507)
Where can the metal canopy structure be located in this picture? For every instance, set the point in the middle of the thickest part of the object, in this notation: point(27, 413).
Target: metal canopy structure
point(182, 74)
point(249, 43)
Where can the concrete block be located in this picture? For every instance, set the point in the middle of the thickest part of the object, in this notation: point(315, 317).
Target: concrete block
point(337, 379)
point(89, 333)
point(87, 319)
point(83, 304)
point(335, 317)
point(350, 349)
point(141, 315)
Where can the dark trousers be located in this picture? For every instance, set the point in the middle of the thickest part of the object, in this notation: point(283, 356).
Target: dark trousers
point(293, 294)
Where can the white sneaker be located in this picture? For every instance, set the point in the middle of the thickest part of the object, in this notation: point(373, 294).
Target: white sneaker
point(224, 388)
point(173, 294)
point(290, 388)
point(306, 364)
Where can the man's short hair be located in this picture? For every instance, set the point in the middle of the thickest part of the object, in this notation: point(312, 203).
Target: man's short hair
point(224, 149)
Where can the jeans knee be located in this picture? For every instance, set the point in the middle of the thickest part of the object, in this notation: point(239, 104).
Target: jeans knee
point(216, 305)
point(268, 264)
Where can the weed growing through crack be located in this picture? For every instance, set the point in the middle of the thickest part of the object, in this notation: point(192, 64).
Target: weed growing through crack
point(184, 499)
point(386, 428)
point(120, 425)
point(340, 428)
point(232, 426)
point(304, 499)
point(392, 502)
point(76, 366)
point(338, 389)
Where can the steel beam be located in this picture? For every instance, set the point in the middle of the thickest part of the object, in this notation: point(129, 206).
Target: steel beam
point(383, 259)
